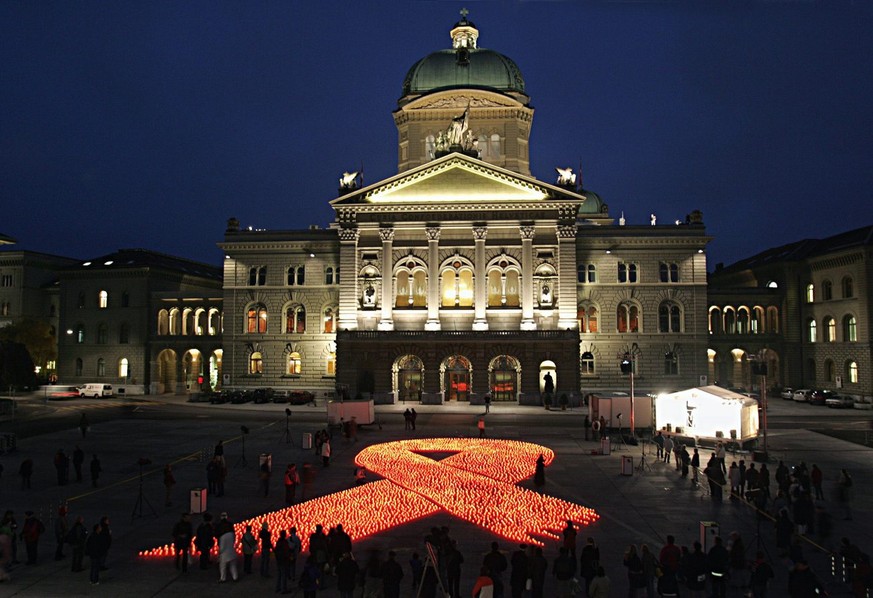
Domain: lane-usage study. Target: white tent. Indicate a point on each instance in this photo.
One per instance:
(708, 412)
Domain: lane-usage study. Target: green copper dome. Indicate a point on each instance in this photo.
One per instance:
(464, 66)
(475, 68)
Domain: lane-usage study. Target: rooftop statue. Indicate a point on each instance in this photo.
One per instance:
(348, 180)
(566, 176)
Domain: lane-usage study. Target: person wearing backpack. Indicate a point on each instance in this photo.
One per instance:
(309, 578)
(31, 530)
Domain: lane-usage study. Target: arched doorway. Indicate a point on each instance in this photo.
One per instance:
(456, 378)
(408, 376)
(548, 378)
(504, 375)
(215, 369)
(166, 378)
(192, 368)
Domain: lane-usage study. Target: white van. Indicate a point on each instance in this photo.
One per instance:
(96, 390)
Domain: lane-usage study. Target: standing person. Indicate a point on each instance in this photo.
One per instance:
(309, 578)
(266, 546)
(720, 455)
(249, 546)
(762, 573)
(353, 429)
(518, 576)
(61, 528)
(484, 586)
(96, 470)
(325, 452)
(407, 419)
(540, 472)
(538, 567)
(844, 492)
(205, 540)
(816, 477)
(694, 570)
(586, 425)
(685, 458)
(9, 523)
(105, 541)
(78, 461)
(668, 448)
(695, 466)
(227, 554)
(282, 553)
(412, 417)
(182, 533)
(169, 482)
(347, 575)
(563, 568)
(634, 566)
(650, 564)
(212, 476)
(670, 555)
(94, 550)
(454, 560)
(25, 470)
(600, 585)
(296, 546)
(481, 426)
(659, 445)
(735, 480)
(570, 534)
(392, 575)
(31, 530)
(83, 425)
(764, 481)
(487, 403)
(264, 477)
(802, 582)
(292, 480)
(76, 539)
(62, 467)
(589, 562)
(718, 561)
(496, 564)
(417, 569)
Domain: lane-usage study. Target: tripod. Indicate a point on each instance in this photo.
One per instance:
(141, 500)
(287, 433)
(622, 446)
(644, 466)
(241, 462)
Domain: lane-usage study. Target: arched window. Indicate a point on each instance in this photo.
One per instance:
(411, 289)
(668, 272)
(457, 286)
(730, 320)
(503, 287)
(757, 322)
(827, 290)
(102, 334)
(715, 319)
(329, 320)
(588, 364)
(328, 275)
(830, 330)
(430, 147)
(103, 300)
(123, 367)
(669, 317)
(256, 363)
(256, 319)
(253, 276)
(580, 272)
(214, 322)
(848, 287)
(830, 370)
(163, 322)
(336, 275)
(810, 293)
(187, 321)
(494, 150)
(78, 366)
(295, 319)
(772, 320)
(101, 367)
(850, 329)
(811, 334)
(587, 316)
(124, 333)
(627, 272)
(301, 275)
(671, 364)
(852, 372)
(627, 318)
(483, 146)
(80, 334)
(743, 320)
(294, 365)
(331, 364)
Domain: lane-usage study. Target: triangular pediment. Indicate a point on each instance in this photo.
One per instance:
(456, 178)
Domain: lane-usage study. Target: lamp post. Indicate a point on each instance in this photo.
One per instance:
(627, 367)
(759, 368)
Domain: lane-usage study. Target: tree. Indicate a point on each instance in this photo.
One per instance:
(36, 336)
(16, 366)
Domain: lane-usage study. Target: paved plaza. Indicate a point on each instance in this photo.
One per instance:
(640, 508)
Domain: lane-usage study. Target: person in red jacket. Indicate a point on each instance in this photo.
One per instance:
(484, 587)
(670, 555)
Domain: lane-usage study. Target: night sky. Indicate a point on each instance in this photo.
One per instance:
(149, 124)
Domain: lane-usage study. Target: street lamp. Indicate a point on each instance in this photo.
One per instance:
(627, 367)
(759, 368)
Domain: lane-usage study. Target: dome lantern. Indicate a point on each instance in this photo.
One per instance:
(464, 34)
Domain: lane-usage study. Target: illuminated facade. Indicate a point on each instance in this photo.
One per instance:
(803, 309)
(463, 275)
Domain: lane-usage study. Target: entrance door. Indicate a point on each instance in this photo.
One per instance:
(458, 385)
(409, 383)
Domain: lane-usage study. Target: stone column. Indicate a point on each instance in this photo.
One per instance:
(433, 278)
(387, 236)
(480, 292)
(349, 292)
(527, 236)
(567, 277)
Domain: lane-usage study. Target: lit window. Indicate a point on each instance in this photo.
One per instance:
(715, 320)
(810, 293)
(743, 320)
(850, 329)
(587, 316)
(852, 371)
(80, 334)
(256, 320)
(627, 318)
(830, 330)
(101, 367)
(123, 367)
(295, 319)
(331, 364)
(811, 331)
(588, 364)
(103, 300)
(256, 363)
(295, 365)
(329, 320)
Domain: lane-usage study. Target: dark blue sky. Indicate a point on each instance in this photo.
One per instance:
(148, 124)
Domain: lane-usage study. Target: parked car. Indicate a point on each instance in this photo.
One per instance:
(819, 397)
(238, 397)
(802, 395)
(263, 395)
(219, 398)
(840, 401)
(301, 397)
(201, 397)
(787, 393)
